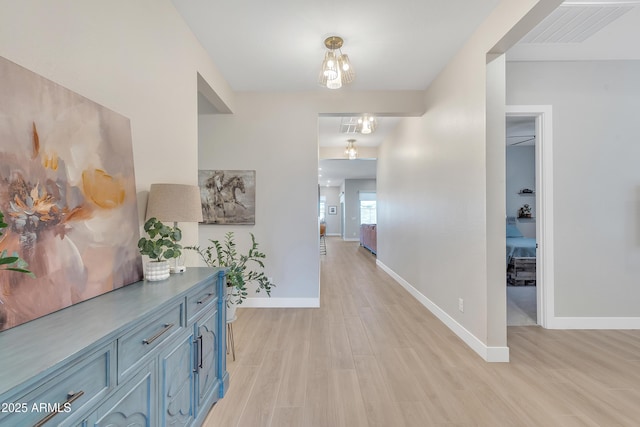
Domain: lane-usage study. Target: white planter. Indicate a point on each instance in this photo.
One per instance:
(157, 270)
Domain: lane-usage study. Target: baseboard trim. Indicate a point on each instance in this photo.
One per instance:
(351, 239)
(594, 323)
(281, 303)
(490, 354)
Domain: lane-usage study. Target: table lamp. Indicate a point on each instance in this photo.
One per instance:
(174, 203)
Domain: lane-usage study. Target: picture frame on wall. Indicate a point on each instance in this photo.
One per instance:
(333, 210)
(228, 196)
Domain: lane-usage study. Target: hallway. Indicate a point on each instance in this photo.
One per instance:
(373, 356)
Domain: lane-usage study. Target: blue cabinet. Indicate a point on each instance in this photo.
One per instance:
(149, 354)
(177, 382)
(206, 375)
(132, 405)
(70, 390)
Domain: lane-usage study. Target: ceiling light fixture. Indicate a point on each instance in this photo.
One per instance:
(366, 124)
(336, 67)
(351, 151)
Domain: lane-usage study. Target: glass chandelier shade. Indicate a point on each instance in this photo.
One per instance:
(351, 151)
(366, 124)
(336, 67)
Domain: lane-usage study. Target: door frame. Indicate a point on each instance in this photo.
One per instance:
(544, 207)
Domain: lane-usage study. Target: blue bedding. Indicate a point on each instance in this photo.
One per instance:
(520, 247)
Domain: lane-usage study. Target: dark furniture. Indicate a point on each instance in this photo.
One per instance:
(368, 237)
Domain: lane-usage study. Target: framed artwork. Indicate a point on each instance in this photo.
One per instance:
(68, 195)
(228, 196)
(333, 210)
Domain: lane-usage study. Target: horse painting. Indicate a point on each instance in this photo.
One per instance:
(228, 197)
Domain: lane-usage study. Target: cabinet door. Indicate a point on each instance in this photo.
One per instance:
(177, 378)
(207, 357)
(134, 404)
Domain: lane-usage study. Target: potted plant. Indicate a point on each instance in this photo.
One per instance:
(161, 246)
(524, 211)
(241, 269)
(13, 262)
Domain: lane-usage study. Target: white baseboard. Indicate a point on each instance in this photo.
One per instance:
(490, 354)
(351, 239)
(281, 303)
(594, 323)
(334, 234)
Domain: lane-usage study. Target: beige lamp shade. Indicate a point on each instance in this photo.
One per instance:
(174, 203)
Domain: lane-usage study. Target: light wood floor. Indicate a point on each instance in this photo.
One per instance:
(373, 356)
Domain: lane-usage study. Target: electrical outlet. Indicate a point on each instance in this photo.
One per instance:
(461, 305)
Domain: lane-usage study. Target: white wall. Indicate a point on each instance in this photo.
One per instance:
(286, 189)
(521, 162)
(596, 182)
(441, 191)
(332, 194)
(140, 59)
(276, 134)
(137, 58)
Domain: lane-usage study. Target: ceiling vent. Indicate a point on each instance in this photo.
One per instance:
(365, 124)
(349, 125)
(576, 22)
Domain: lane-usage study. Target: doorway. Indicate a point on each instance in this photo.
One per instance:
(521, 212)
(543, 200)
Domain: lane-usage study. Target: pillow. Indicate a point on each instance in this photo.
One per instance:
(512, 231)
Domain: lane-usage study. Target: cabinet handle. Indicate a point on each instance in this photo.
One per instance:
(201, 354)
(71, 397)
(196, 354)
(207, 298)
(166, 327)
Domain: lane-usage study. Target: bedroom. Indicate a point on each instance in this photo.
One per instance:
(521, 221)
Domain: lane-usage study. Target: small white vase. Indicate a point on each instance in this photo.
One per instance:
(157, 270)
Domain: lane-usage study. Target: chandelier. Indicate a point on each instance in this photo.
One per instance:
(366, 124)
(351, 151)
(336, 67)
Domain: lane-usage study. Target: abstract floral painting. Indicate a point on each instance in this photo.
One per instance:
(228, 196)
(68, 195)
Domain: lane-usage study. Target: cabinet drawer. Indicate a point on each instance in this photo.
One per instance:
(78, 386)
(201, 299)
(134, 346)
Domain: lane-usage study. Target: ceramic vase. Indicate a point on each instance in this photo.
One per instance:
(157, 270)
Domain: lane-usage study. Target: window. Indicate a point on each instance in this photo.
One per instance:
(368, 212)
(368, 208)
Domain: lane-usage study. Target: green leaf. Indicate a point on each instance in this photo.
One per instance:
(8, 260)
(21, 270)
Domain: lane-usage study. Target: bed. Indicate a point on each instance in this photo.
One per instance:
(517, 245)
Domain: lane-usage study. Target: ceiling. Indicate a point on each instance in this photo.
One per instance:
(584, 30)
(330, 132)
(332, 173)
(521, 131)
(278, 46)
